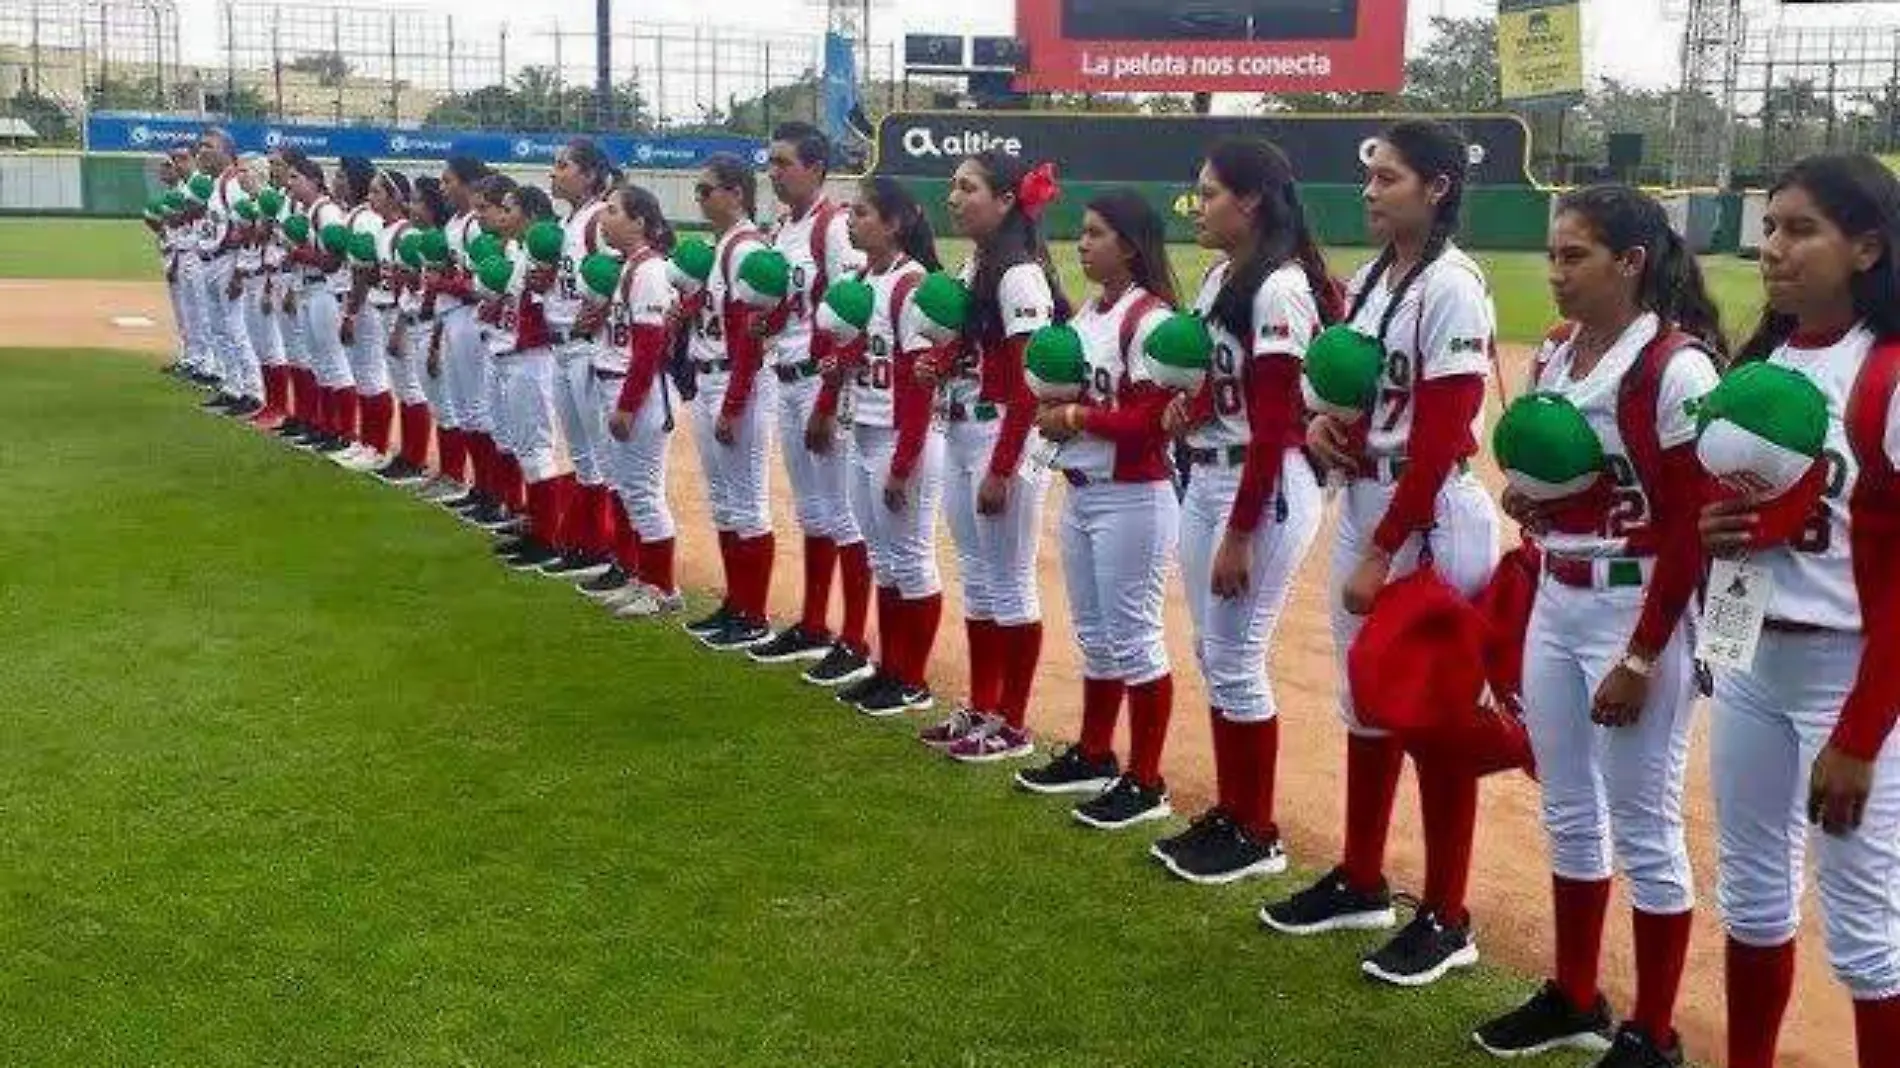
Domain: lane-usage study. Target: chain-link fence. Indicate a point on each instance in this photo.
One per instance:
(342, 64)
(1807, 89)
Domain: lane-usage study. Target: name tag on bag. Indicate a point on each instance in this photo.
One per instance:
(1734, 614)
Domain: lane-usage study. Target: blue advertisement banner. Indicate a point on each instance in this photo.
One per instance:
(117, 132)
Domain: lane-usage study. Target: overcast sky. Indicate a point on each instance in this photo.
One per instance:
(1630, 40)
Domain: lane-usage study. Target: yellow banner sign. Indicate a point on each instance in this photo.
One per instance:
(1540, 50)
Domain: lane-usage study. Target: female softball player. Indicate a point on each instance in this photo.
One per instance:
(470, 455)
(729, 412)
(524, 360)
(636, 401)
(896, 456)
(1120, 522)
(299, 426)
(1609, 674)
(252, 276)
(412, 336)
(993, 490)
(319, 304)
(350, 186)
(1253, 502)
(812, 235)
(1410, 501)
(1807, 732)
(367, 311)
(582, 177)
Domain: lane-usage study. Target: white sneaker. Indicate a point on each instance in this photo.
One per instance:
(365, 460)
(648, 603)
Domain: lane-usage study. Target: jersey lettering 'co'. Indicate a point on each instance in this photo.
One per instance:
(1110, 369)
(1286, 318)
(872, 383)
(708, 342)
(1445, 326)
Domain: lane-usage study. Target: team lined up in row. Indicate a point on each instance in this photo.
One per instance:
(898, 395)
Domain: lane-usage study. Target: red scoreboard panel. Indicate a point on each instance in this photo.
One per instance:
(1207, 46)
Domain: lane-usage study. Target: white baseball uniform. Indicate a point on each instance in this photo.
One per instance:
(387, 296)
(260, 324)
(1233, 637)
(819, 482)
(322, 305)
(230, 335)
(524, 363)
(574, 356)
(465, 358)
(636, 468)
(1613, 794)
(369, 364)
(736, 477)
(1772, 721)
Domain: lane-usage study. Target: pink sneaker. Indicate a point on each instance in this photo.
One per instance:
(994, 741)
(952, 730)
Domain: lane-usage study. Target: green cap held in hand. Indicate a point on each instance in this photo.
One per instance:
(544, 241)
(1546, 448)
(409, 249)
(1762, 427)
(945, 304)
(201, 186)
(846, 311)
(1178, 351)
(483, 246)
(494, 274)
(1055, 365)
(271, 201)
(690, 265)
(435, 246)
(336, 239)
(600, 274)
(246, 210)
(297, 228)
(1342, 373)
(765, 277)
(363, 247)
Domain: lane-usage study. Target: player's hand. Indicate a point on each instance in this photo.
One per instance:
(1329, 441)
(620, 425)
(1233, 566)
(1363, 586)
(395, 343)
(234, 288)
(1529, 514)
(1175, 419)
(930, 372)
(591, 318)
(1620, 699)
(540, 278)
(897, 493)
(1837, 791)
(725, 430)
(290, 303)
(992, 497)
(1059, 422)
(819, 432)
(346, 330)
(1728, 527)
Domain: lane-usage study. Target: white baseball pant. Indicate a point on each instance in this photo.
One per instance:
(737, 484)
(996, 554)
(1117, 540)
(902, 545)
(821, 484)
(636, 468)
(322, 315)
(369, 357)
(291, 328)
(573, 398)
(1610, 795)
(1234, 637)
(406, 369)
(1769, 725)
(1464, 550)
(195, 321)
(527, 388)
(231, 338)
(435, 388)
(465, 371)
(260, 326)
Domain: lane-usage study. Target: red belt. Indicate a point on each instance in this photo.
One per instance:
(1582, 574)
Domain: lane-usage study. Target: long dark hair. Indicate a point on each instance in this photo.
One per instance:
(1432, 150)
(1018, 240)
(533, 203)
(1249, 167)
(495, 188)
(1860, 196)
(1671, 284)
(429, 191)
(638, 203)
(731, 172)
(1138, 226)
(586, 153)
(357, 174)
(894, 203)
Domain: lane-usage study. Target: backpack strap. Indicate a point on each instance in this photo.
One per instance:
(1554, 338)
(901, 290)
(725, 257)
(1636, 399)
(822, 215)
(1131, 320)
(1867, 411)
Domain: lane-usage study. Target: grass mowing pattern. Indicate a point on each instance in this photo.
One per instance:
(111, 250)
(295, 774)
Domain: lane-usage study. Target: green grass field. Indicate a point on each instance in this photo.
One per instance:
(105, 249)
(294, 774)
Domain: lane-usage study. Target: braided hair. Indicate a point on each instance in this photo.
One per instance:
(1282, 235)
(1433, 151)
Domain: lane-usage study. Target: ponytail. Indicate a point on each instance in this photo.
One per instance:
(1259, 169)
(1671, 285)
(1016, 242)
(895, 204)
(1432, 150)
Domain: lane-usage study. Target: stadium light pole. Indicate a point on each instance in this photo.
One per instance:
(604, 63)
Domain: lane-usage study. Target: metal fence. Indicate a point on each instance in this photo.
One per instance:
(342, 64)
(1806, 89)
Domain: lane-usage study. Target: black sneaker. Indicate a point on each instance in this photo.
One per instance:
(466, 502)
(1331, 905)
(514, 546)
(792, 643)
(1209, 822)
(841, 666)
(532, 557)
(246, 407)
(873, 683)
(888, 699)
(606, 584)
(490, 516)
(1223, 852)
(737, 636)
(400, 472)
(1071, 773)
(1634, 1049)
(1544, 1023)
(576, 566)
(712, 624)
(222, 402)
(332, 444)
(1125, 804)
(1423, 952)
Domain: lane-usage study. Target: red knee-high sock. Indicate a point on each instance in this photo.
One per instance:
(544, 509)
(1022, 649)
(576, 506)
(417, 427)
(890, 631)
(854, 575)
(1150, 706)
(379, 421)
(1257, 763)
(606, 519)
(626, 540)
(320, 410)
(1101, 707)
(1579, 906)
(451, 453)
(821, 559)
(921, 617)
(1228, 770)
(348, 405)
(758, 574)
(295, 397)
(1372, 781)
(986, 666)
(517, 487)
(729, 561)
(1759, 983)
(1448, 797)
(656, 564)
(275, 390)
(1662, 949)
(481, 462)
(1877, 1031)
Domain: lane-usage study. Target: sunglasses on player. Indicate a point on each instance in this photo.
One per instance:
(706, 189)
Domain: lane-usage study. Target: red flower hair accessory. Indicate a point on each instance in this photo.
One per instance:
(1038, 190)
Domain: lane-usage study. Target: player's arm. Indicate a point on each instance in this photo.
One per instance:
(1675, 506)
(650, 339)
(1026, 304)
